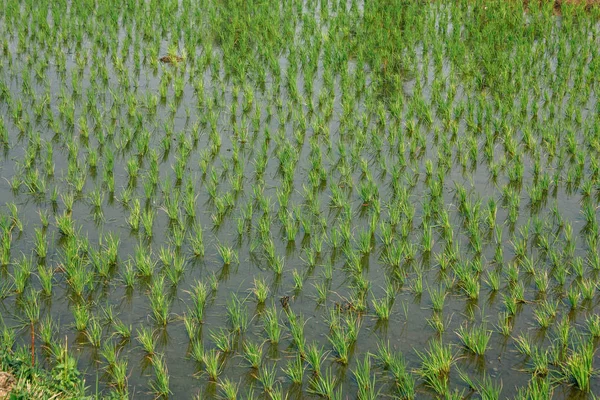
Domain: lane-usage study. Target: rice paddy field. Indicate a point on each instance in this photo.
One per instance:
(220, 199)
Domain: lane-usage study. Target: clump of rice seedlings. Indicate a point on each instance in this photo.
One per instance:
(41, 245)
(198, 294)
(229, 389)
(93, 332)
(267, 377)
(237, 313)
(46, 275)
(324, 385)
(505, 324)
(160, 384)
(253, 354)
(538, 388)
(396, 365)
(437, 297)
(383, 308)
(297, 331)
(435, 366)
(593, 325)
(315, 357)
(159, 301)
(122, 329)
(227, 253)
(476, 338)
(578, 367)
(212, 364)
(222, 339)
(485, 387)
(146, 339)
(365, 380)
(197, 241)
(260, 290)
(81, 314)
(271, 325)
(298, 280)
(295, 370)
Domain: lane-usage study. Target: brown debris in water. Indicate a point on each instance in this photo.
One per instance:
(170, 59)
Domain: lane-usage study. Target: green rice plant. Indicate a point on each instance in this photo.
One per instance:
(93, 332)
(504, 323)
(31, 307)
(253, 354)
(593, 325)
(524, 345)
(437, 323)
(396, 365)
(229, 389)
(492, 279)
(47, 330)
(485, 387)
(538, 388)
(437, 297)
(271, 325)
(228, 254)
(222, 339)
(146, 339)
(435, 365)
(476, 338)
(295, 370)
(159, 301)
(135, 214)
(199, 294)
(323, 385)
(160, 384)
(267, 377)
(322, 291)
(383, 308)
(191, 326)
(41, 246)
(298, 280)
(578, 367)
(341, 345)
(65, 225)
(297, 331)
(129, 275)
(365, 380)
(197, 241)
(315, 357)
(81, 314)
(46, 275)
(573, 296)
(147, 218)
(237, 313)
(122, 329)
(212, 364)
(260, 290)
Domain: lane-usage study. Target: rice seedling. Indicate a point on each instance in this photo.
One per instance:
(253, 353)
(212, 364)
(160, 385)
(271, 325)
(294, 370)
(323, 385)
(229, 389)
(435, 366)
(260, 290)
(267, 377)
(237, 313)
(476, 338)
(578, 367)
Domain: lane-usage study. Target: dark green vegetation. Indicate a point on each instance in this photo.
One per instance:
(230, 199)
